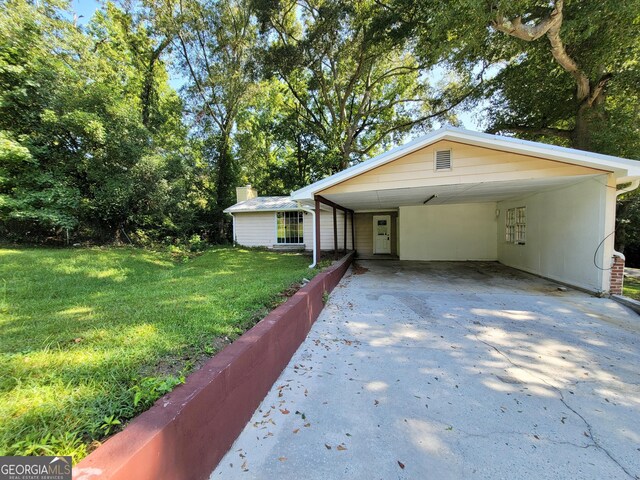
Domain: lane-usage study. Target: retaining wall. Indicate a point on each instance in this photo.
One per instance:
(188, 431)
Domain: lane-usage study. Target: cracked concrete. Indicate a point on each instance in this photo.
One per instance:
(452, 370)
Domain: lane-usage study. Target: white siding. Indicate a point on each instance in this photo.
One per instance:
(258, 229)
(448, 232)
(255, 229)
(326, 230)
(564, 229)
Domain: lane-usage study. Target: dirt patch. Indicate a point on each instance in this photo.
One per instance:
(359, 269)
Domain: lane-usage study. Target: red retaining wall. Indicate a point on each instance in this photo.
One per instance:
(188, 431)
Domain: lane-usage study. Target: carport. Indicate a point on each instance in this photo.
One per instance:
(456, 195)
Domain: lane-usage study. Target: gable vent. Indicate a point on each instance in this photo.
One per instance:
(442, 160)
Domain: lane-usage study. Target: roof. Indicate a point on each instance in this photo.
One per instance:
(625, 170)
(264, 204)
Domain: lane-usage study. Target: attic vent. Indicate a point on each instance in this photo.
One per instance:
(443, 160)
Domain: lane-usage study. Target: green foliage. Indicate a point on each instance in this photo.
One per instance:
(151, 388)
(89, 143)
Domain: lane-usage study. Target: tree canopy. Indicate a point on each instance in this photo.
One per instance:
(139, 123)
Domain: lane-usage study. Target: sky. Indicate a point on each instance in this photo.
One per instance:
(85, 8)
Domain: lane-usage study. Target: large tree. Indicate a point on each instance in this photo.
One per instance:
(565, 71)
(356, 91)
(214, 44)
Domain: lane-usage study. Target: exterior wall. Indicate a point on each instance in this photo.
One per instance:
(255, 229)
(470, 164)
(564, 229)
(449, 232)
(258, 229)
(326, 230)
(364, 233)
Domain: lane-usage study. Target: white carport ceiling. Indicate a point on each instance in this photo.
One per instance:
(454, 193)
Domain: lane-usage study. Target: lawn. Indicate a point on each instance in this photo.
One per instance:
(89, 338)
(631, 288)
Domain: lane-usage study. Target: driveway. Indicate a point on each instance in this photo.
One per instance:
(452, 370)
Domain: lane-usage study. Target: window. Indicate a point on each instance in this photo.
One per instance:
(442, 160)
(289, 227)
(516, 225)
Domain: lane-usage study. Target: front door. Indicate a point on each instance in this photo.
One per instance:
(382, 234)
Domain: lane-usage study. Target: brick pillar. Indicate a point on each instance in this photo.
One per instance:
(617, 274)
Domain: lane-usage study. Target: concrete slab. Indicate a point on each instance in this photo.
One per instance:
(452, 370)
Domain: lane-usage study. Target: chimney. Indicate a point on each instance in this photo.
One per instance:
(246, 193)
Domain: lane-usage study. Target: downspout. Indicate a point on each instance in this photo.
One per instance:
(313, 222)
(632, 186)
(233, 219)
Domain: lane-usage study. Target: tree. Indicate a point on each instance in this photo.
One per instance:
(355, 90)
(563, 70)
(214, 45)
(75, 154)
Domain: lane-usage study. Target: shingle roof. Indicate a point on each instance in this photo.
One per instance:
(263, 204)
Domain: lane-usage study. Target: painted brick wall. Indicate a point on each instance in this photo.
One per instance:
(617, 275)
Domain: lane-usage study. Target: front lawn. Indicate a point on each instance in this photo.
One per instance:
(89, 338)
(631, 288)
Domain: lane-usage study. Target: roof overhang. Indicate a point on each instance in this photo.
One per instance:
(624, 170)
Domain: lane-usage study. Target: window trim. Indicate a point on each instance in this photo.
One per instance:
(515, 225)
(301, 221)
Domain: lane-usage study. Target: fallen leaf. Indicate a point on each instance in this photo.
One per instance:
(284, 411)
(376, 402)
(348, 434)
(327, 446)
(244, 466)
(307, 425)
(400, 464)
(296, 430)
(341, 448)
(282, 459)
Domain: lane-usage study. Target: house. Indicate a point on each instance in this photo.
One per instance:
(459, 195)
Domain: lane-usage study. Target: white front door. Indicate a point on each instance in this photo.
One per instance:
(382, 234)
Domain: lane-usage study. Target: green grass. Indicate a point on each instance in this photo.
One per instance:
(631, 288)
(89, 338)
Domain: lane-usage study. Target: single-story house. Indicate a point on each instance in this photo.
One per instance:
(458, 195)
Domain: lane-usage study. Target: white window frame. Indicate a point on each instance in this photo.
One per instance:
(285, 213)
(516, 225)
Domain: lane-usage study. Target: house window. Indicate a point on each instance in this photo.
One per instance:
(516, 225)
(289, 226)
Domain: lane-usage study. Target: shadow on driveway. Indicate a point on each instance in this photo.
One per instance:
(452, 370)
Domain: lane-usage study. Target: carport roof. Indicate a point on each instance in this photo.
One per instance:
(624, 169)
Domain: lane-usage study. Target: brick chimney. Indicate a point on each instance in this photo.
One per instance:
(246, 193)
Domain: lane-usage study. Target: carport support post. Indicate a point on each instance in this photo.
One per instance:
(353, 232)
(335, 234)
(317, 232)
(345, 231)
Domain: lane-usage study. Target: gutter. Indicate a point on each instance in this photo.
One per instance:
(631, 187)
(622, 191)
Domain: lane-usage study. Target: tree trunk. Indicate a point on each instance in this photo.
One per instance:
(224, 179)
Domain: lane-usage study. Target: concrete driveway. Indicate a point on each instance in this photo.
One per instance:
(452, 370)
